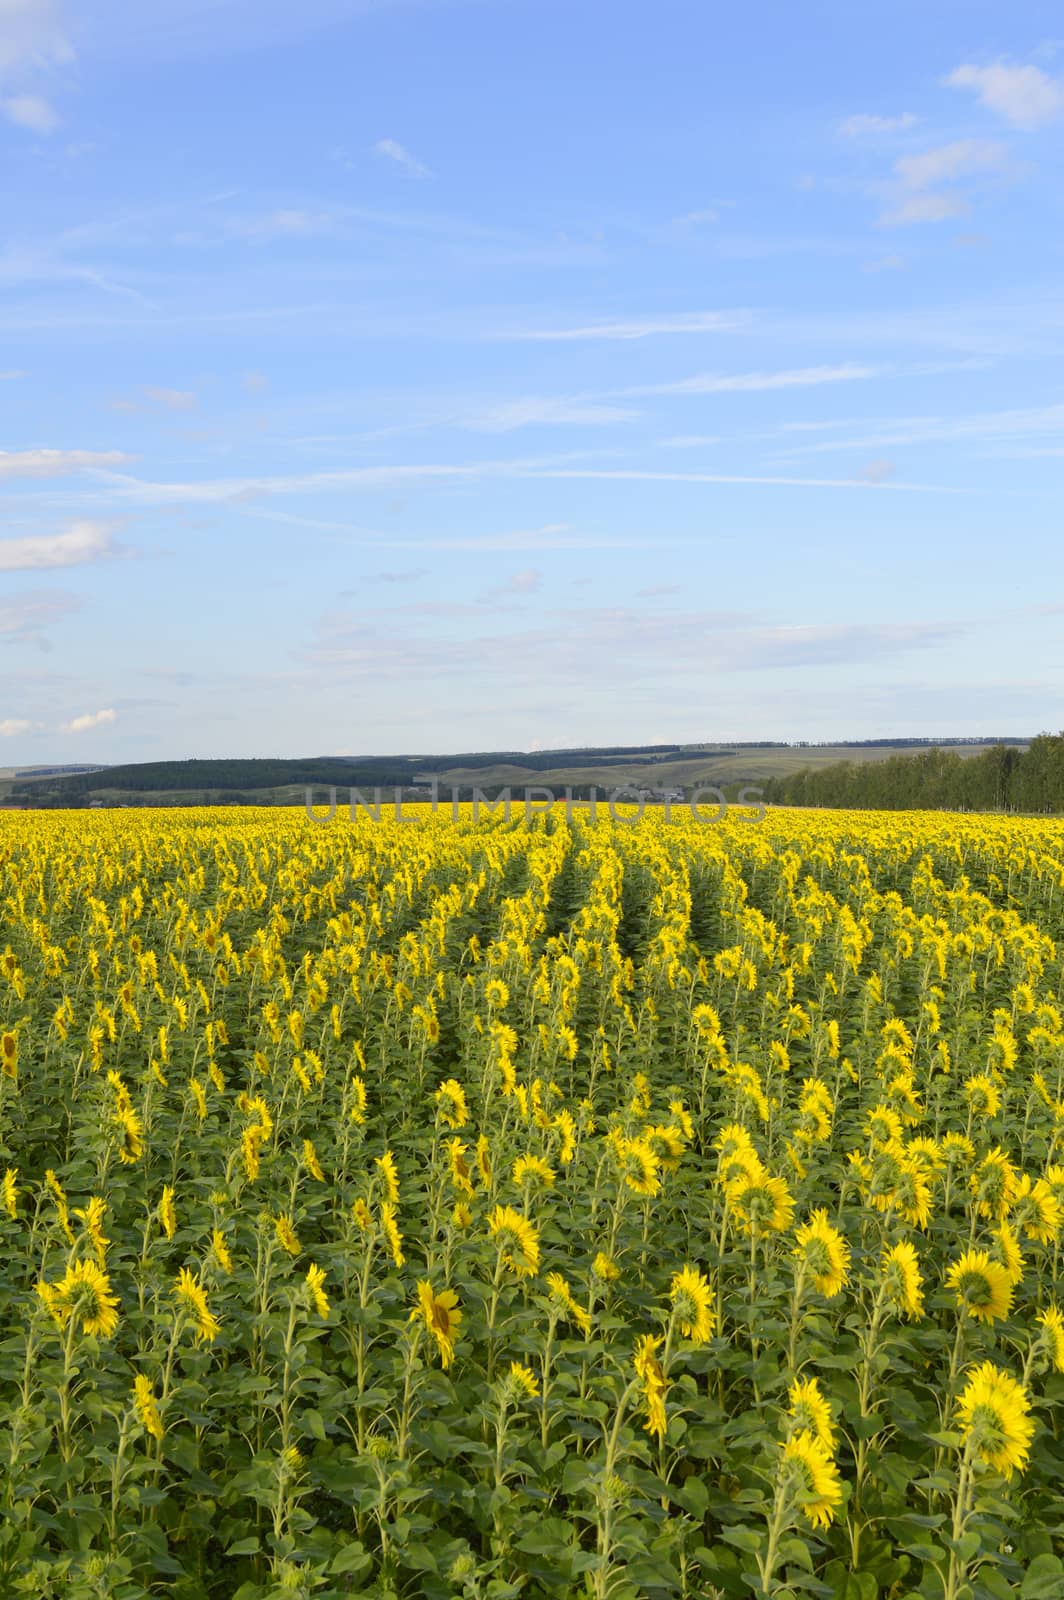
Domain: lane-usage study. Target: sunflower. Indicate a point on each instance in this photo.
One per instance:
(191, 1293)
(523, 1382)
(652, 1375)
(92, 1216)
(84, 1291)
(362, 1215)
(534, 1171)
(167, 1213)
(315, 1287)
(1052, 1324)
(809, 1411)
(667, 1143)
(441, 1316)
(993, 1411)
(1007, 1248)
(639, 1166)
(516, 1239)
(451, 1106)
(391, 1232)
(605, 1268)
(883, 1124)
(461, 1174)
(761, 1203)
(461, 1216)
(983, 1095)
(902, 1280)
(814, 1476)
(310, 1158)
(562, 1293)
(983, 1287)
(993, 1185)
(692, 1301)
(221, 1251)
(385, 1165)
(286, 1235)
(823, 1250)
(1036, 1209)
(147, 1409)
(11, 1191)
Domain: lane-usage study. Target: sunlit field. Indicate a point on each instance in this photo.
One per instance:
(439, 1208)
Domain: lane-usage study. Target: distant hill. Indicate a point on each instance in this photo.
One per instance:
(653, 768)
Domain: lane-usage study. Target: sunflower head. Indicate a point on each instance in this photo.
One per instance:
(824, 1254)
(692, 1301)
(1052, 1338)
(810, 1411)
(993, 1412)
(812, 1477)
(902, 1280)
(983, 1287)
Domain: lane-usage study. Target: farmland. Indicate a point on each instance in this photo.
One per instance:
(550, 1209)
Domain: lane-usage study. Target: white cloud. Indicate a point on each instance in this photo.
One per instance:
(172, 399)
(83, 542)
(31, 34)
(24, 617)
(12, 726)
(536, 411)
(31, 112)
(925, 208)
(637, 328)
(695, 219)
(916, 196)
(854, 127)
(964, 158)
(752, 382)
(11, 375)
(56, 463)
(91, 719)
(399, 154)
(1025, 96)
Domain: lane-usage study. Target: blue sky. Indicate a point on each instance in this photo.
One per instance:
(515, 374)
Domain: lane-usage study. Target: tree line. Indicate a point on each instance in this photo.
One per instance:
(1002, 778)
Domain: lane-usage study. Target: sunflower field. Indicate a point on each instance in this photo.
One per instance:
(565, 1207)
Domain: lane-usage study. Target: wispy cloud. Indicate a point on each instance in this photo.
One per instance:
(1001, 426)
(752, 382)
(26, 616)
(56, 463)
(32, 35)
(166, 399)
(82, 543)
(915, 196)
(30, 111)
(855, 127)
(394, 151)
(631, 328)
(89, 720)
(547, 412)
(1026, 97)
(11, 727)
(519, 583)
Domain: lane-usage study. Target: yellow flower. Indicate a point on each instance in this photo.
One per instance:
(1007, 1246)
(1052, 1324)
(441, 1316)
(652, 1375)
(286, 1235)
(817, 1487)
(192, 1294)
(1036, 1209)
(983, 1287)
(524, 1381)
(605, 1268)
(387, 1169)
(391, 1232)
(167, 1214)
(147, 1409)
(451, 1104)
(461, 1216)
(315, 1285)
(84, 1291)
(362, 1215)
(993, 1412)
(692, 1301)
(517, 1240)
(11, 1191)
(564, 1296)
(810, 1411)
(484, 1160)
(822, 1249)
(221, 1251)
(639, 1166)
(358, 1100)
(901, 1276)
(9, 1054)
(983, 1095)
(461, 1175)
(993, 1184)
(310, 1158)
(761, 1203)
(534, 1171)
